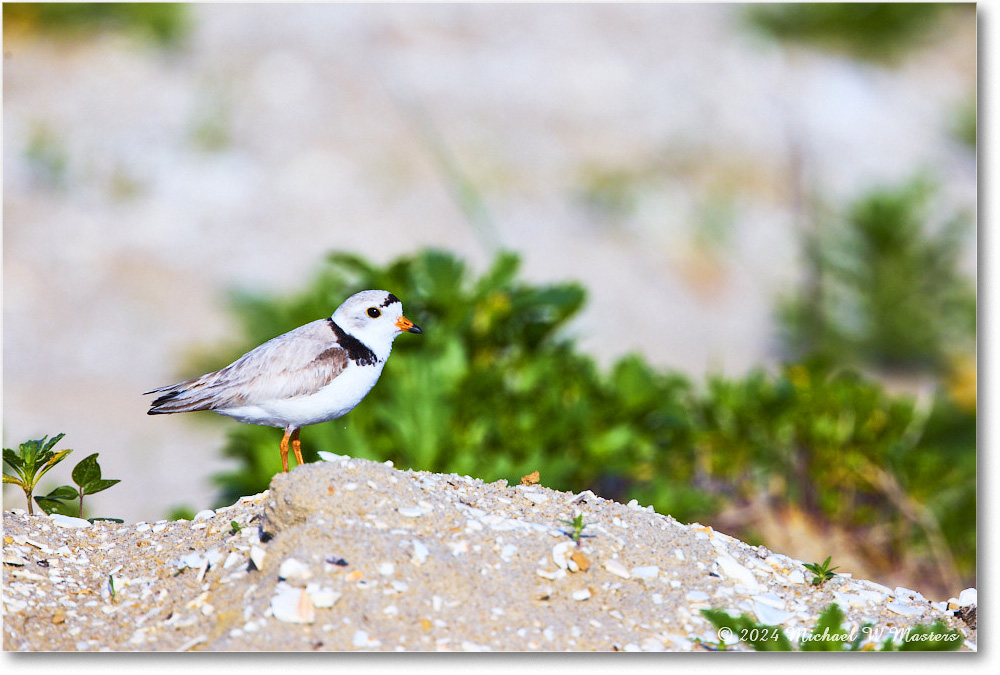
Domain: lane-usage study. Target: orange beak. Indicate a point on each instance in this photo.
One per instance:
(407, 326)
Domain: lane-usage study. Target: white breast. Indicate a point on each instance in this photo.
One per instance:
(332, 401)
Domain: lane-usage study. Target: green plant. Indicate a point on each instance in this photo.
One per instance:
(87, 476)
(823, 571)
(578, 526)
(30, 463)
(885, 285)
(164, 23)
(181, 512)
(762, 638)
(965, 122)
(234, 527)
(873, 31)
(830, 634)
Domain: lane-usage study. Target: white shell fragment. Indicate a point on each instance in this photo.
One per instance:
(561, 553)
(617, 569)
(904, 610)
(582, 594)
(60, 520)
(257, 556)
(696, 596)
(738, 573)
(770, 615)
(363, 641)
(420, 553)
(645, 572)
(294, 571)
(292, 605)
(322, 597)
(968, 597)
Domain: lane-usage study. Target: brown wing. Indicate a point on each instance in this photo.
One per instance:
(296, 363)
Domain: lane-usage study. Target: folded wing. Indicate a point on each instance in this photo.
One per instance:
(297, 363)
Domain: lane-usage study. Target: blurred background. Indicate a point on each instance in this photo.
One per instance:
(717, 258)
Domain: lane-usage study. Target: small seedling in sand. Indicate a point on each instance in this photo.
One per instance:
(31, 463)
(578, 526)
(234, 527)
(87, 476)
(823, 571)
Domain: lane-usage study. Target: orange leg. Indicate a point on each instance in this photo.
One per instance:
(297, 447)
(284, 449)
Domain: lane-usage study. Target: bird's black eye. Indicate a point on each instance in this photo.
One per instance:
(374, 313)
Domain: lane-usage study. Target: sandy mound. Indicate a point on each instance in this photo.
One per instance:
(351, 554)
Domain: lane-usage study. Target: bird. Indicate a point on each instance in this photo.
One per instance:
(312, 374)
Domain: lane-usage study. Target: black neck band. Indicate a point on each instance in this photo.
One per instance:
(355, 348)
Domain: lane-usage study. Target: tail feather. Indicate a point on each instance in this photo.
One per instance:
(188, 396)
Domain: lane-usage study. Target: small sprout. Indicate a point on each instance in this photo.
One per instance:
(33, 460)
(87, 476)
(234, 527)
(578, 526)
(823, 571)
(111, 586)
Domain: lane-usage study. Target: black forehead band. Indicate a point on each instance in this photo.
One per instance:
(388, 301)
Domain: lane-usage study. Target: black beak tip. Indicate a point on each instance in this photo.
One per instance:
(414, 329)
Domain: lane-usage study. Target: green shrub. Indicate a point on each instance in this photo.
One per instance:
(886, 286)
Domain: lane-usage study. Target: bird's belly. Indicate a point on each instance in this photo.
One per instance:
(334, 400)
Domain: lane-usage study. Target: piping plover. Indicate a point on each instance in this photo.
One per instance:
(315, 373)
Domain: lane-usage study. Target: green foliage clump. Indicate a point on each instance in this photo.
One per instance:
(840, 447)
(35, 458)
(831, 635)
(874, 31)
(885, 286)
(822, 571)
(164, 23)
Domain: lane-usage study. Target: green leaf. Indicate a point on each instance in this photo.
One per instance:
(16, 481)
(51, 506)
(762, 638)
(55, 459)
(47, 447)
(63, 492)
(829, 635)
(13, 459)
(98, 485)
(937, 638)
(87, 471)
